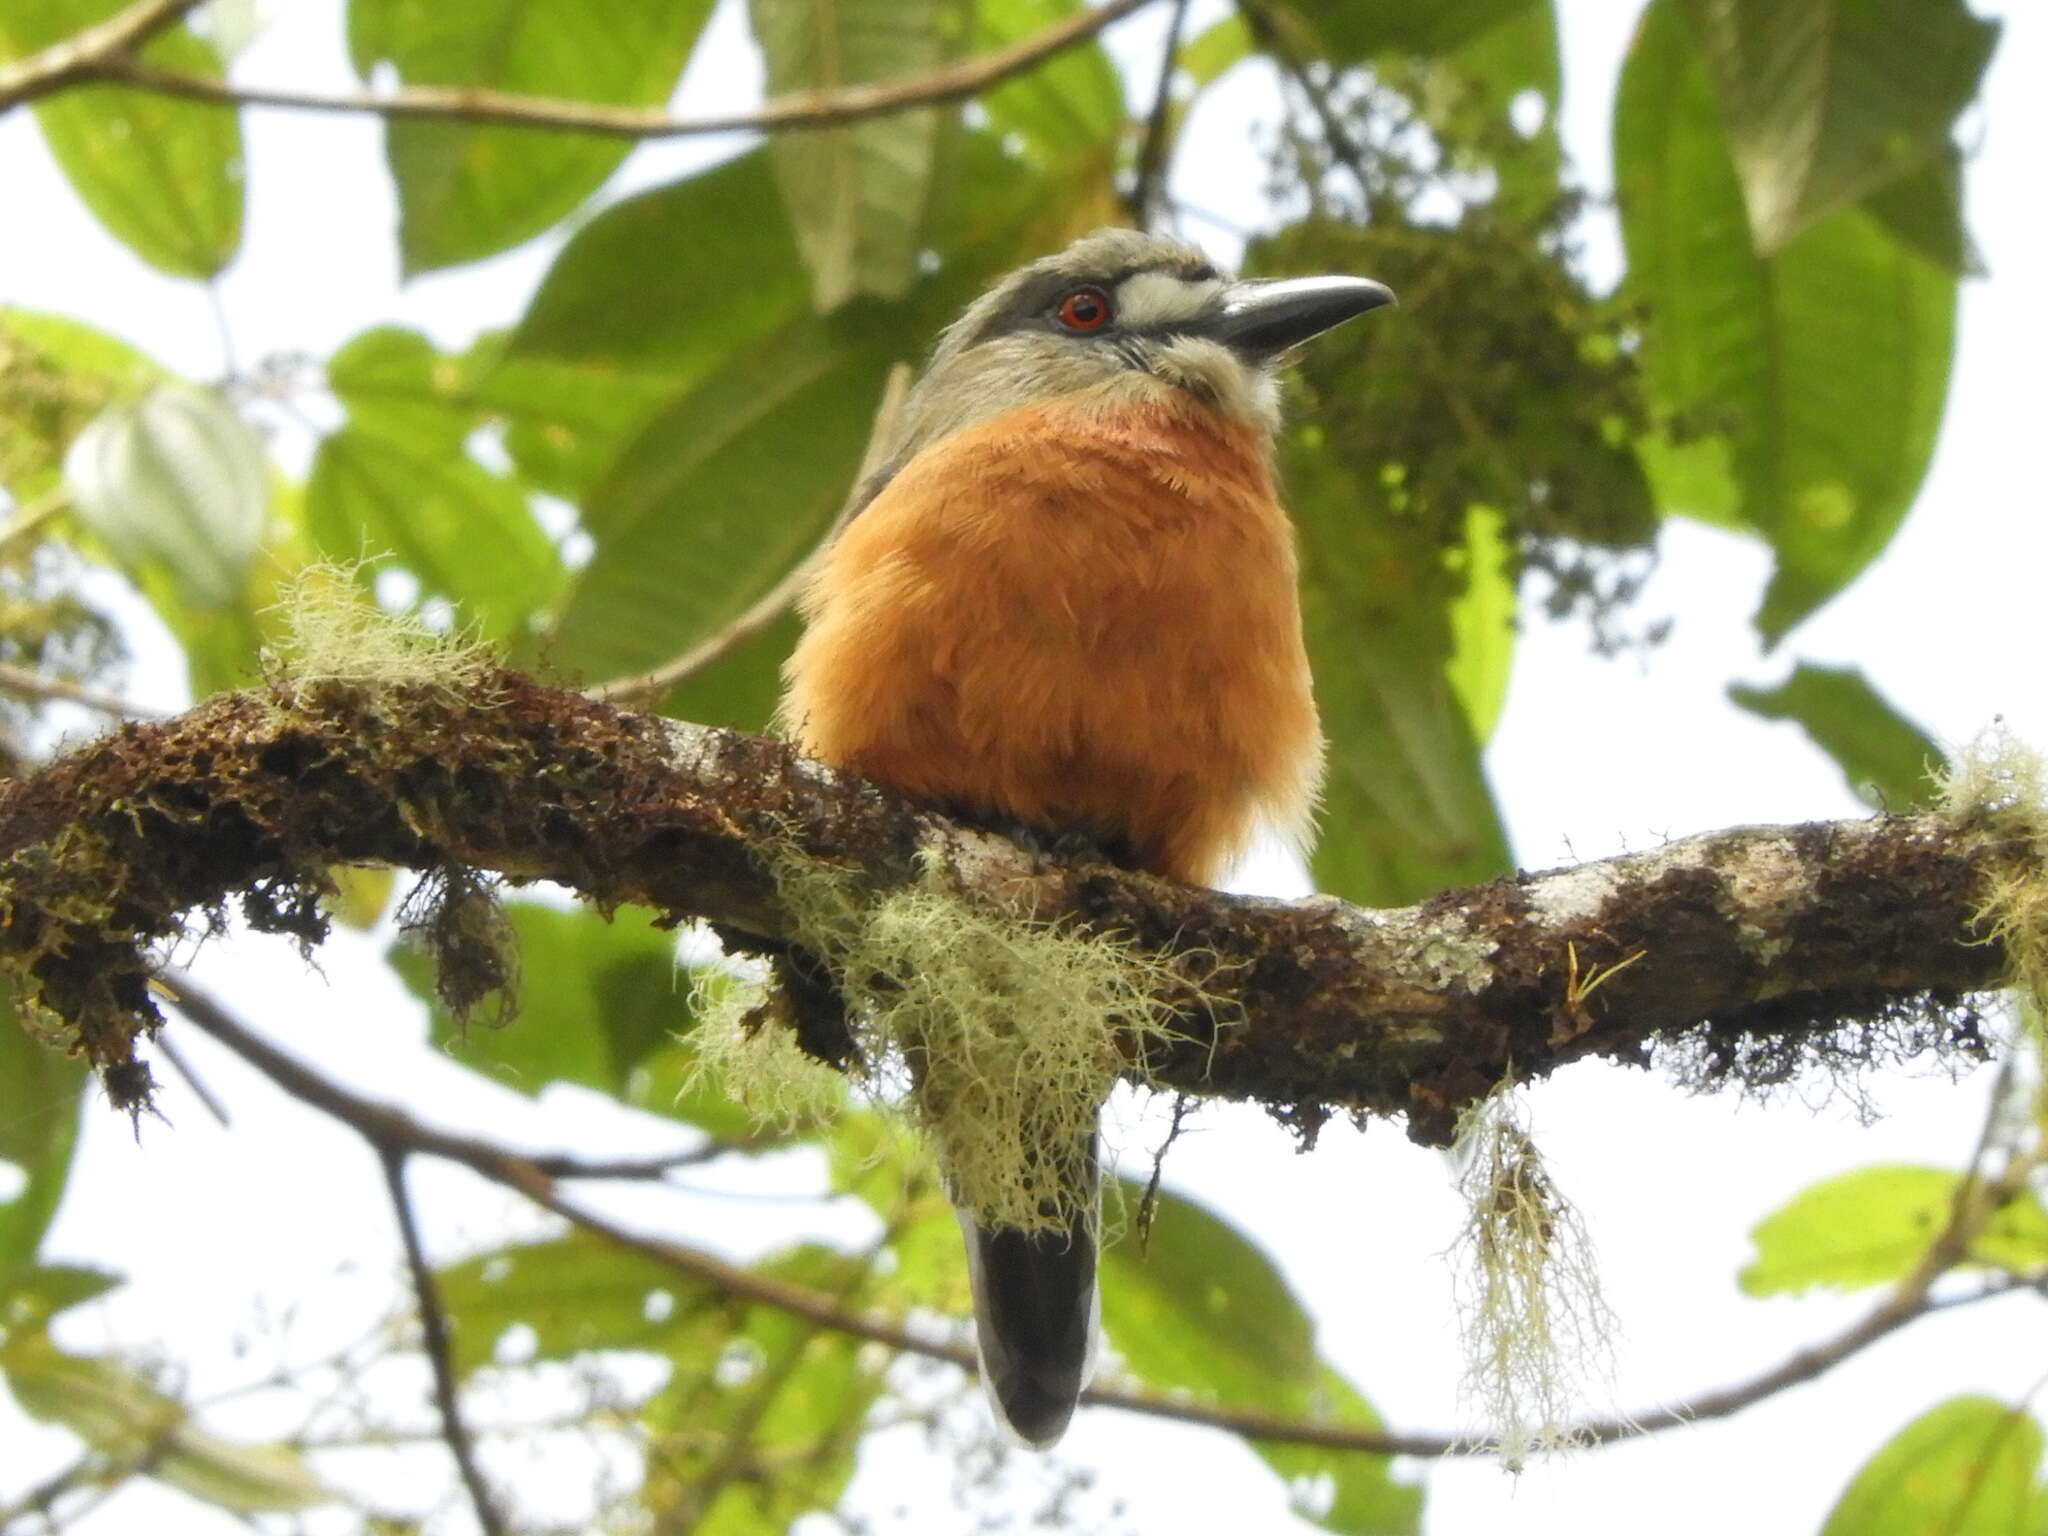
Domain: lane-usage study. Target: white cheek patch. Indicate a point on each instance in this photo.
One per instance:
(1148, 299)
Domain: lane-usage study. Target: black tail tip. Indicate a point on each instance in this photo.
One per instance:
(1037, 1412)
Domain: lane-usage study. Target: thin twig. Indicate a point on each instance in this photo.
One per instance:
(31, 515)
(76, 58)
(773, 603)
(434, 1338)
(165, 1047)
(478, 104)
(1145, 185)
(37, 685)
(390, 1127)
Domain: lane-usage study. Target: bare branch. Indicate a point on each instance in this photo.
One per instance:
(391, 1129)
(434, 1339)
(478, 104)
(38, 685)
(79, 57)
(1757, 943)
(1151, 167)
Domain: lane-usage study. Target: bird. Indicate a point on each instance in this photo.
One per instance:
(1066, 600)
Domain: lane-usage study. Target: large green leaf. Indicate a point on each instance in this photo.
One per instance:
(1964, 1468)
(1889, 761)
(57, 374)
(38, 1293)
(467, 534)
(467, 190)
(1873, 1225)
(1826, 100)
(163, 176)
(1426, 28)
(38, 1129)
(1201, 1312)
(690, 530)
(116, 1411)
(644, 301)
(1068, 109)
(1825, 364)
(857, 195)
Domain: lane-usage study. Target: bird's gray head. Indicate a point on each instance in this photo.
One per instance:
(1123, 314)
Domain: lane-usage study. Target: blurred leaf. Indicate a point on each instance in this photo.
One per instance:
(1923, 211)
(118, 1413)
(1065, 111)
(467, 190)
(31, 1296)
(1826, 100)
(1201, 1312)
(857, 195)
(765, 1431)
(596, 996)
(178, 478)
(690, 531)
(1428, 28)
(395, 385)
(1482, 621)
(1888, 760)
(1210, 55)
(1964, 1468)
(1842, 325)
(467, 534)
(576, 1294)
(163, 176)
(38, 1131)
(56, 375)
(1872, 1225)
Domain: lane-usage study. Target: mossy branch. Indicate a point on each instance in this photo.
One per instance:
(1752, 952)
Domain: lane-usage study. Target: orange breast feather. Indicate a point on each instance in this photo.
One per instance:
(1078, 617)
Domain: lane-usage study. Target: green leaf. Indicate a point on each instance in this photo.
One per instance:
(1843, 324)
(164, 176)
(1872, 1225)
(1202, 1312)
(1888, 760)
(1425, 28)
(576, 1294)
(113, 1409)
(644, 301)
(1068, 110)
(177, 478)
(1963, 1468)
(56, 375)
(1482, 620)
(1221, 46)
(395, 385)
(1827, 100)
(467, 534)
(782, 1393)
(857, 195)
(1923, 211)
(38, 1130)
(469, 190)
(690, 532)
(32, 1296)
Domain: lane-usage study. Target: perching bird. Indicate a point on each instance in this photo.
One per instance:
(1067, 599)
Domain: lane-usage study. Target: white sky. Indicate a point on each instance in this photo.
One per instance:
(1591, 757)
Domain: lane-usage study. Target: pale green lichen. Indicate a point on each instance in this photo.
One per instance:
(330, 630)
(1536, 1329)
(1996, 794)
(1002, 1034)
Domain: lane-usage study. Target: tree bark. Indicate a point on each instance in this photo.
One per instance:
(1749, 954)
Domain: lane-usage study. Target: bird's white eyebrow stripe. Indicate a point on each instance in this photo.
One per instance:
(1148, 299)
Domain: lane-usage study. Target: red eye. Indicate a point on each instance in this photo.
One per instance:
(1085, 309)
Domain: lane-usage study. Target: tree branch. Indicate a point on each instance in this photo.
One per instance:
(392, 1130)
(39, 685)
(1750, 947)
(478, 104)
(434, 1340)
(81, 57)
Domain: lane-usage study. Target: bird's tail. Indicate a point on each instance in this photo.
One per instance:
(1035, 1316)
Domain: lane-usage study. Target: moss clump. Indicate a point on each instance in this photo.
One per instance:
(1007, 1034)
(1534, 1322)
(1997, 794)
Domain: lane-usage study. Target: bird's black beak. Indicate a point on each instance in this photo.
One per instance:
(1265, 319)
